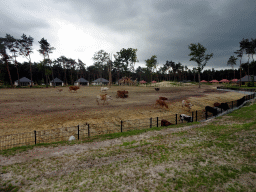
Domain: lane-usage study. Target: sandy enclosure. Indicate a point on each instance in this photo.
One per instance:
(26, 110)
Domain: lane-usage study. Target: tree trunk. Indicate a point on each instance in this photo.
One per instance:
(199, 79)
(7, 66)
(30, 71)
(18, 74)
(66, 76)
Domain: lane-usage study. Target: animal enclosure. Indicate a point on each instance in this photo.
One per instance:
(29, 110)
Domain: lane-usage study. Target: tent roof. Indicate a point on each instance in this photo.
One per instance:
(57, 80)
(245, 79)
(81, 80)
(24, 80)
(101, 80)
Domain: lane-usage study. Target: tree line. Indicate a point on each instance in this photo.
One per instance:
(69, 70)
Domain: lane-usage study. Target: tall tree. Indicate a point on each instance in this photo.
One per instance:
(81, 66)
(245, 45)
(232, 62)
(194, 71)
(72, 64)
(25, 49)
(45, 50)
(64, 62)
(5, 56)
(110, 70)
(198, 55)
(12, 45)
(151, 63)
(100, 59)
(129, 57)
(240, 54)
(167, 66)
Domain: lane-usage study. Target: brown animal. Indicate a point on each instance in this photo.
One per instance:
(163, 98)
(216, 104)
(74, 88)
(187, 104)
(122, 94)
(165, 123)
(161, 103)
(104, 98)
(157, 89)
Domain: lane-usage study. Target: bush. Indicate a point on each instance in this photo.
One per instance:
(249, 84)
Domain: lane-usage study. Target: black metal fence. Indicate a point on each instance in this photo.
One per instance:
(85, 131)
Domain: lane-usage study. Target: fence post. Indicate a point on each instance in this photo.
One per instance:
(196, 116)
(121, 126)
(192, 116)
(35, 137)
(176, 119)
(150, 122)
(78, 132)
(88, 130)
(157, 121)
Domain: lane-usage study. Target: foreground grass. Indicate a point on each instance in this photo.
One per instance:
(220, 156)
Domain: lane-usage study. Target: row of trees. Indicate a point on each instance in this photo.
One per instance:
(69, 69)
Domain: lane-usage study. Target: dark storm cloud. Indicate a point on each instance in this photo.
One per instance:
(16, 23)
(155, 27)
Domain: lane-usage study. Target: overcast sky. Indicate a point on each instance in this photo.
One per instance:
(165, 28)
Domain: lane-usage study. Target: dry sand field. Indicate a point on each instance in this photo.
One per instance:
(26, 110)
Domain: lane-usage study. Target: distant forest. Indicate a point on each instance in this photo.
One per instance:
(69, 70)
(92, 72)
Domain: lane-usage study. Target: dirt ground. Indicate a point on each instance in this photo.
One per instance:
(26, 110)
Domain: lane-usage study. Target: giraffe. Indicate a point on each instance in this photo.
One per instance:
(121, 81)
(135, 82)
(129, 81)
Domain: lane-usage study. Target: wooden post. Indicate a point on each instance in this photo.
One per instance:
(78, 132)
(88, 130)
(121, 126)
(35, 137)
(150, 122)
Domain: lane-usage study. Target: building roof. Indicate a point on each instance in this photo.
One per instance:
(82, 80)
(57, 80)
(100, 80)
(24, 80)
(245, 79)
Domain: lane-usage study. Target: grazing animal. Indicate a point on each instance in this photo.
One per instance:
(104, 98)
(74, 88)
(157, 89)
(161, 103)
(163, 98)
(122, 94)
(165, 123)
(216, 104)
(185, 103)
(184, 117)
(214, 111)
(240, 101)
(224, 106)
(104, 89)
